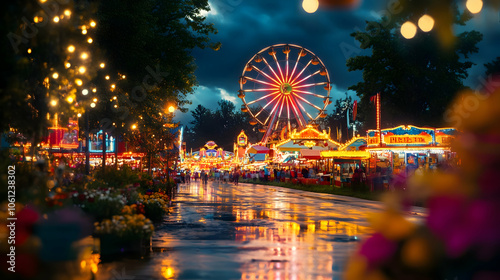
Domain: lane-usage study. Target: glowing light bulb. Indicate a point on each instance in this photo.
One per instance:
(107, 77)
(84, 55)
(29, 50)
(67, 13)
(95, 99)
(114, 97)
(408, 30)
(55, 75)
(134, 126)
(78, 82)
(56, 19)
(67, 65)
(82, 69)
(70, 99)
(79, 115)
(171, 109)
(474, 6)
(85, 91)
(36, 19)
(102, 65)
(84, 31)
(113, 86)
(92, 105)
(426, 23)
(94, 90)
(71, 48)
(123, 76)
(310, 6)
(92, 24)
(89, 40)
(53, 103)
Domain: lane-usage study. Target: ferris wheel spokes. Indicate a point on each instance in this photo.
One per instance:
(307, 77)
(263, 108)
(283, 79)
(307, 102)
(310, 85)
(272, 70)
(292, 79)
(265, 74)
(258, 81)
(263, 97)
(309, 93)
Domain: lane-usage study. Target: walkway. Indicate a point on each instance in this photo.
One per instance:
(223, 231)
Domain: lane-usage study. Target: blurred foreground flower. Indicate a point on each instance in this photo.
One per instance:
(460, 238)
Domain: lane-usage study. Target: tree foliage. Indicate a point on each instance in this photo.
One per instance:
(416, 78)
(493, 67)
(222, 126)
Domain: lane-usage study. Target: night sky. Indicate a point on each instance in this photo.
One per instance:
(247, 26)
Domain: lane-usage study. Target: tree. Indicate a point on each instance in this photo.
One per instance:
(416, 78)
(222, 126)
(150, 42)
(493, 67)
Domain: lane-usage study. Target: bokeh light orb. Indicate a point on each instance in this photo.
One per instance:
(426, 23)
(310, 6)
(408, 30)
(474, 6)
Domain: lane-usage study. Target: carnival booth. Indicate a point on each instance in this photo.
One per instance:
(208, 157)
(349, 158)
(407, 148)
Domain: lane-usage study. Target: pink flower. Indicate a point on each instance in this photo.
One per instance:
(377, 249)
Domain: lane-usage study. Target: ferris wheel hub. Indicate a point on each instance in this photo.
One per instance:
(286, 88)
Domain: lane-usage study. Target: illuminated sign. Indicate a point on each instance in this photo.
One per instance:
(242, 139)
(404, 139)
(96, 142)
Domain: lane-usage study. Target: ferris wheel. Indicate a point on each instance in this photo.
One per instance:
(284, 86)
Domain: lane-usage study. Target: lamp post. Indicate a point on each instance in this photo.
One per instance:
(171, 110)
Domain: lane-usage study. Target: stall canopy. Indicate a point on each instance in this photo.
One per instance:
(258, 150)
(310, 154)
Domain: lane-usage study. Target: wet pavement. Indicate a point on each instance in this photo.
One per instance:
(223, 231)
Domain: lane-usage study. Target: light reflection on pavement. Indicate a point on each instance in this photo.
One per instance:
(222, 231)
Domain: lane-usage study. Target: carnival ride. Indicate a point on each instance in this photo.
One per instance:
(284, 87)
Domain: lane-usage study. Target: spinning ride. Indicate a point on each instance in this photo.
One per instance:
(284, 87)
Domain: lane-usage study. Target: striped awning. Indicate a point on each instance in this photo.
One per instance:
(310, 154)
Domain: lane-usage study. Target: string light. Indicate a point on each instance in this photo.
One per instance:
(89, 40)
(53, 103)
(84, 31)
(107, 77)
(92, 24)
(82, 69)
(84, 55)
(85, 91)
(29, 50)
(69, 99)
(56, 19)
(67, 65)
(78, 82)
(92, 105)
(55, 75)
(67, 13)
(94, 90)
(123, 76)
(79, 115)
(71, 48)
(102, 65)
(95, 99)
(113, 86)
